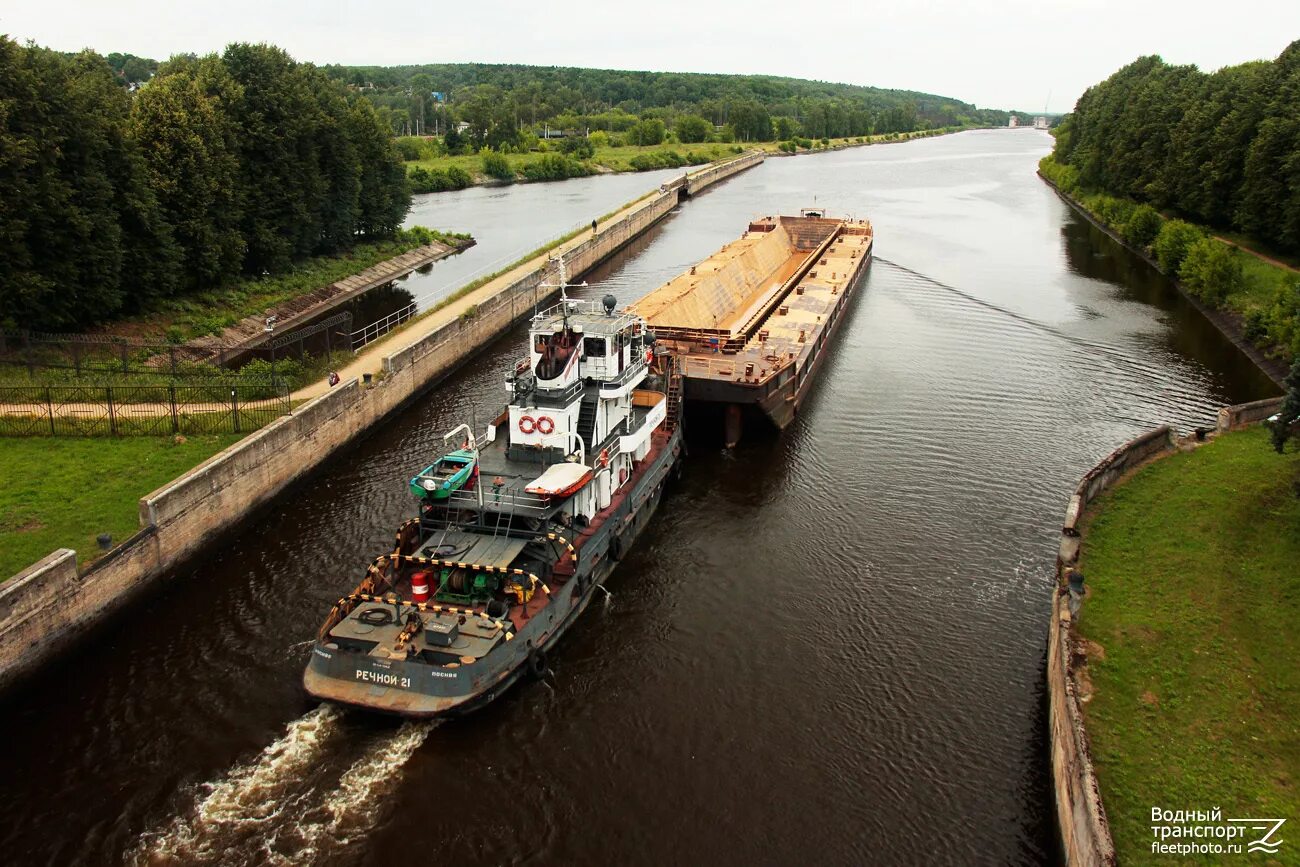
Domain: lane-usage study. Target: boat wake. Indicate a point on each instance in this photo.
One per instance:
(277, 809)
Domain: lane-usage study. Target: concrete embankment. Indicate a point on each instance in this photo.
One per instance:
(47, 607)
(1228, 323)
(1081, 818)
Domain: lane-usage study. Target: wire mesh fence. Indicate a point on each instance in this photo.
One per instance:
(134, 410)
(73, 357)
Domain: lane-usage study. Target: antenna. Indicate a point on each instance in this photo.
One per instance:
(564, 285)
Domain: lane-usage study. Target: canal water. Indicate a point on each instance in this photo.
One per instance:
(829, 645)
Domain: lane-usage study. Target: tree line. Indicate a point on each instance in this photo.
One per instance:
(1219, 148)
(499, 102)
(112, 197)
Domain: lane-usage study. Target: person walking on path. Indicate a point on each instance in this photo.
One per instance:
(593, 227)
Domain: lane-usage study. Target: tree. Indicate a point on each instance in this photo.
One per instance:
(646, 132)
(1143, 226)
(1171, 245)
(190, 147)
(1212, 270)
(692, 128)
(81, 233)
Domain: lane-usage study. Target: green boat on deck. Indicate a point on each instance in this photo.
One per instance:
(450, 473)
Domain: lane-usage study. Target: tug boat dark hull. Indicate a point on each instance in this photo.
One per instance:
(411, 687)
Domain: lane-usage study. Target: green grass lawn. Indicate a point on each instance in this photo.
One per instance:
(63, 492)
(1194, 574)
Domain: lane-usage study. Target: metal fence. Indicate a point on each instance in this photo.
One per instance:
(100, 355)
(133, 410)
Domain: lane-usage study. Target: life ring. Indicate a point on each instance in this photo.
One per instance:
(622, 475)
(537, 663)
(603, 460)
(545, 424)
(649, 356)
(526, 424)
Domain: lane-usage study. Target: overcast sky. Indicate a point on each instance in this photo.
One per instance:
(997, 53)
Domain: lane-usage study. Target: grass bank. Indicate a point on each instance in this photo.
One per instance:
(1194, 595)
(62, 493)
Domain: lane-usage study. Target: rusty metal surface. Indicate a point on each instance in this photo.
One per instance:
(780, 324)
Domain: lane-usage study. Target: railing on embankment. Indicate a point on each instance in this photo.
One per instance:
(1081, 819)
(46, 607)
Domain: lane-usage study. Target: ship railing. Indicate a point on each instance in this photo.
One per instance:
(734, 367)
(499, 500)
(564, 395)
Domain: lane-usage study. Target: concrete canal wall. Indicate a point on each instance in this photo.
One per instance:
(47, 607)
(1081, 818)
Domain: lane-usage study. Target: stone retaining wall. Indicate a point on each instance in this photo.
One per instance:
(1081, 818)
(45, 608)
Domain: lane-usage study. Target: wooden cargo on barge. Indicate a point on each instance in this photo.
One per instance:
(749, 325)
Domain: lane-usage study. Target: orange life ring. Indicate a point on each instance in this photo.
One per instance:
(544, 424)
(649, 356)
(603, 460)
(526, 424)
(622, 475)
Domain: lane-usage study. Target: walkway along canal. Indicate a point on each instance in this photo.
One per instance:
(832, 638)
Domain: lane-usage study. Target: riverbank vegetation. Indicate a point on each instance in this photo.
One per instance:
(113, 200)
(433, 170)
(1189, 624)
(1171, 157)
(103, 480)
(499, 103)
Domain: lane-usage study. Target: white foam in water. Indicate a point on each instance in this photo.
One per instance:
(349, 810)
(254, 816)
(252, 796)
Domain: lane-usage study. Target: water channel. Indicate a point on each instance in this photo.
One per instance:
(829, 646)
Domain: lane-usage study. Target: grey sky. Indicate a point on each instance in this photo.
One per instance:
(998, 53)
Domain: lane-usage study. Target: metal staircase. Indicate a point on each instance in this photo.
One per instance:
(673, 416)
(587, 421)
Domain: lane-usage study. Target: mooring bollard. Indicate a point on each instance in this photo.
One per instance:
(366, 379)
(105, 541)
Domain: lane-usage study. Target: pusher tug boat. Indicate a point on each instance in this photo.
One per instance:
(517, 528)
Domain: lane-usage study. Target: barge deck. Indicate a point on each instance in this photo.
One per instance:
(749, 325)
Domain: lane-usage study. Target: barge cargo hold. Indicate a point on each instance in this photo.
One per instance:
(749, 325)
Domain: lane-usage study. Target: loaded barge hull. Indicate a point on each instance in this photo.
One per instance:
(750, 325)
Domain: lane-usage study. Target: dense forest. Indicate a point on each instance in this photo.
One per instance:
(1221, 148)
(113, 196)
(499, 102)
(124, 180)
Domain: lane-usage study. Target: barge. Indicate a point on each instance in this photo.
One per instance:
(518, 526)
(749, 325)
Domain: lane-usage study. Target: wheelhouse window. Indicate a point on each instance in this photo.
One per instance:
(556, 350)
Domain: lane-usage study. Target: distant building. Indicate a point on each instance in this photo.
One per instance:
(1040, 122)
(1013, 122)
